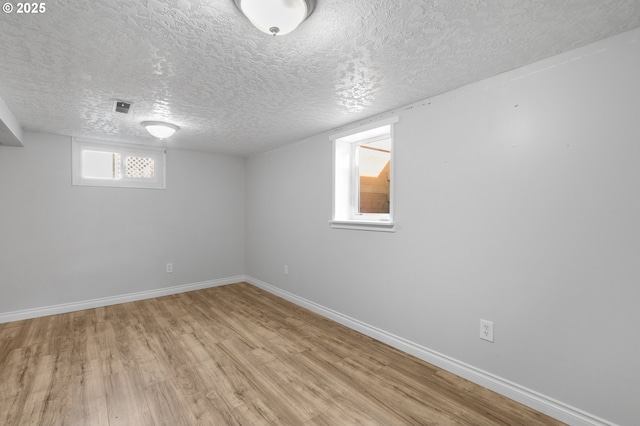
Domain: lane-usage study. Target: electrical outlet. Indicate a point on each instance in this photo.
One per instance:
(169, 268)
(286, 269)
(486, 330)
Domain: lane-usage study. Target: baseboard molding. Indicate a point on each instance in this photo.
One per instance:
(528, 397)
(114, 300)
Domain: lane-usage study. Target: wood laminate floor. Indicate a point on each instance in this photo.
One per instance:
(226, 356)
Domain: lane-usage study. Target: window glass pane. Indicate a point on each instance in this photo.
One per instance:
(111, 164)
(139, 167)
(363, 170)
(374, 166)
(100, 165)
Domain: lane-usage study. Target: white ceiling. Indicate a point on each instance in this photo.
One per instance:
(201, 65)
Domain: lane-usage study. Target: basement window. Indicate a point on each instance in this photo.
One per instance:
(363, 178)
(97, 163)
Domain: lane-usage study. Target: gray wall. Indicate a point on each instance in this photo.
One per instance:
(518, 201)
(61, 243)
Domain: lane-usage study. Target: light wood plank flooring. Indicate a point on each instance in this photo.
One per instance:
(228, 355)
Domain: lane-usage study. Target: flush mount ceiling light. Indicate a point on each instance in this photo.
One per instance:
(160, 129)
(276, 17)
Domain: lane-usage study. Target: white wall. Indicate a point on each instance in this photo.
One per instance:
(61, 243)
(518, 201)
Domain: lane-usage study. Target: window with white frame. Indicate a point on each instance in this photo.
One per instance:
(97, 163)
(363, 178)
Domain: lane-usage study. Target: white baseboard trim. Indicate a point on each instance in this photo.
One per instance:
(528, 397)
(114, 300)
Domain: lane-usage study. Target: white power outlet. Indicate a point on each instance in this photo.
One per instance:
(286, 269)
(169, 268)
(486, 330)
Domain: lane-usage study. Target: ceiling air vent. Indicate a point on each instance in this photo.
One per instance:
(122, 106)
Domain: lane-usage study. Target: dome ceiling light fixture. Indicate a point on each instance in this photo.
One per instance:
(276, 17)
(159, 129)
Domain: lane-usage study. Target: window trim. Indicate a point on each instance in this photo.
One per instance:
(367, 221)
(78, 145)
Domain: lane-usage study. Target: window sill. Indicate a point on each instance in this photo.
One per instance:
(363, 225)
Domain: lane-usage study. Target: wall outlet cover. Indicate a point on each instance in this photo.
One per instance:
(486, 330)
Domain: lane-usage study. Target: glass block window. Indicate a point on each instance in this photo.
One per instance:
(139, 167)
(97, 163)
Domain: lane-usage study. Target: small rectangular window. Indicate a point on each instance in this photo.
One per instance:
(113, 164)
(363, 178)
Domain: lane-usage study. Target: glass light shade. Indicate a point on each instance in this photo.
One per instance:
(276, 17)
(159, 129)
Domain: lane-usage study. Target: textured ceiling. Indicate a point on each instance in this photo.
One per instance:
(231, 88)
